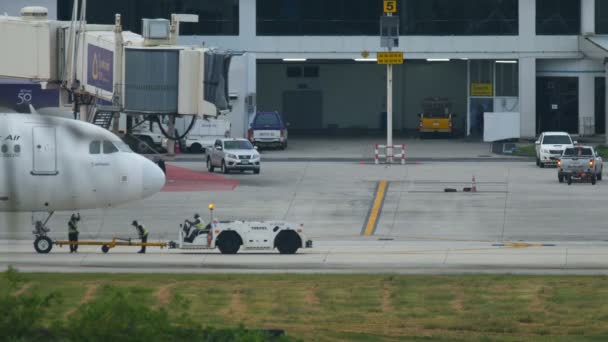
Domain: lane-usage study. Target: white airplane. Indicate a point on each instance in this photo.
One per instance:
(50, 164)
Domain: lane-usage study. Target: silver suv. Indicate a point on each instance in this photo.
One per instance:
(233, 154)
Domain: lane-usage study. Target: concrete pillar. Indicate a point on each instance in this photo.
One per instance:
(527, 69)
(247, 20)
(587, 16)
(527, 20)
(527, 96)
(586, 104)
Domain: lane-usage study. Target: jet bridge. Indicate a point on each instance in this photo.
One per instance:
(147, 74)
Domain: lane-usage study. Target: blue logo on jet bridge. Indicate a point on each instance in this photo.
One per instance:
(100, 63)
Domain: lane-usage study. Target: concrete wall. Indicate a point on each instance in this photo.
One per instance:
(417, 47)
(354, 95)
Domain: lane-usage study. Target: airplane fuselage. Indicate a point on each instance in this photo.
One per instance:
(50, 164)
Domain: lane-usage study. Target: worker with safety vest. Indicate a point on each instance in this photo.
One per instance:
(73, 232)
(143, 235)
(195, 227)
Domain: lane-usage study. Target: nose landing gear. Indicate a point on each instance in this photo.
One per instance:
(42, 243)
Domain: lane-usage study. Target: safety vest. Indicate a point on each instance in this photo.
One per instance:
(143, 232)
(72, 227)
(199, 225)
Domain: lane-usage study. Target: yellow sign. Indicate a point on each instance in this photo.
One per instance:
(390, 57)
(390, 6)
(482, 89)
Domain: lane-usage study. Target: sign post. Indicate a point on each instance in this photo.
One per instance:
(389, 38)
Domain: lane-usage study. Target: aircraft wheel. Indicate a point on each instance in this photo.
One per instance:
(105, 249)
(43, 244)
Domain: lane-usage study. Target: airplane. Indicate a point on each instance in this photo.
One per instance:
(49, 164)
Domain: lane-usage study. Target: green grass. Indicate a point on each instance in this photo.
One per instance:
(525, 151)
(602, 151)
(530, 151)
(355, 307)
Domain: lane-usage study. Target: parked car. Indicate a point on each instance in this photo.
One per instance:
(233, 154)
(268, 129)
(580, 162)
(550, 147)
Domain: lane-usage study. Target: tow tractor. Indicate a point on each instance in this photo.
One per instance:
(227, 236)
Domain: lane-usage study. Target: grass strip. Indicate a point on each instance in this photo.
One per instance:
(354, 307)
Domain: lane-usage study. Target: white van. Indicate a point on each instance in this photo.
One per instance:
(205, 132)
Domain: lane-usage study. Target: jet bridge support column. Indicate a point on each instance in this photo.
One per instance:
(171, 132)
(84, 112)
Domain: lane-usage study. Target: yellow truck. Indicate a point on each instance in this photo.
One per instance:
(436, 116)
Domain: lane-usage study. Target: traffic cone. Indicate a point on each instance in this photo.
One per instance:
(177, 148)
(473, 185)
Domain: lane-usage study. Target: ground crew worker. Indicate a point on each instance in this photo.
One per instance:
(73, 232)
(143, 235)
(195, 227)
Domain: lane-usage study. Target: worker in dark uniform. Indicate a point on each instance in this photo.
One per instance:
(143, 235)
(194, 228)
(73, 232)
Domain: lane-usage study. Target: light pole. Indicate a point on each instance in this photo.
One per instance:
(389, 38)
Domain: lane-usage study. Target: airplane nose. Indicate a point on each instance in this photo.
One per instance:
(153, 180)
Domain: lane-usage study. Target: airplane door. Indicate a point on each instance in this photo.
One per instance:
(45, 151)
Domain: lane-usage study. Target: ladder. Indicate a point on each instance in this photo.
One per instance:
(103, 119)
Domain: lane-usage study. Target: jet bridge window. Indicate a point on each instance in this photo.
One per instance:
(95, 147)
(108, 147)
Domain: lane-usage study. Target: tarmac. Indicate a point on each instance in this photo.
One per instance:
(520, 220)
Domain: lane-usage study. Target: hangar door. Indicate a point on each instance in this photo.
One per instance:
(45, 152)
(557, 104)
(303, 110)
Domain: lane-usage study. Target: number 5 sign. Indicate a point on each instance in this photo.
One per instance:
(390, 6)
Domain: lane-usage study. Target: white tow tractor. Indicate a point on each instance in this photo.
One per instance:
(229, 236)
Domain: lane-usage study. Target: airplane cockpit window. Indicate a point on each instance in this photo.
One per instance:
(122, 146)
(95, 147)
(17, 148)
(108, 147)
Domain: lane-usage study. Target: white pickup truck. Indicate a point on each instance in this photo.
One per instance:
(579, 163)
(205, 132)
(550, 146)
